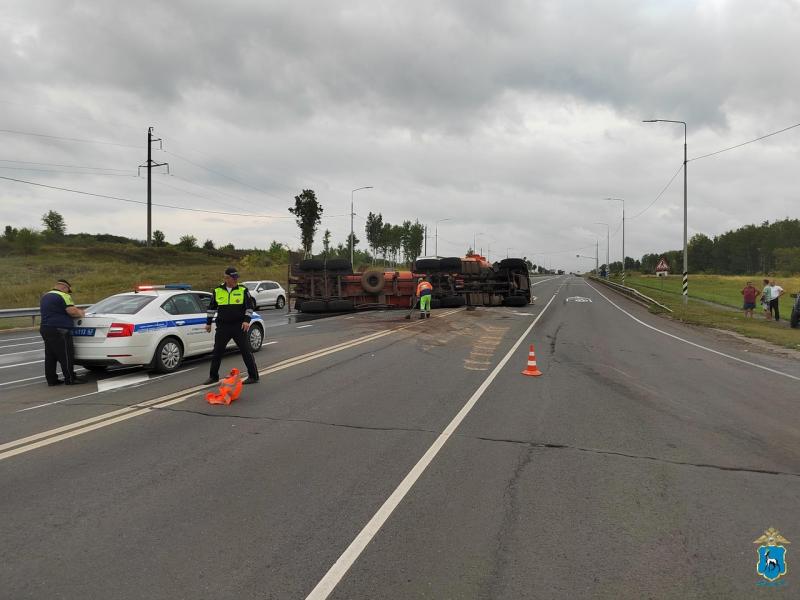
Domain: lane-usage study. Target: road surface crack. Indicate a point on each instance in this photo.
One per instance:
(534, 444)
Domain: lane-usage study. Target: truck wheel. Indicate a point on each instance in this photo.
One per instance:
(280, 303)
(426, 266)
(453, 301)
(168, 355)
(340, 305)
(255, 337)
(450, 265)
(372, 281)
(314, 306)
(341, 265)
(311, 264)
(515, 301)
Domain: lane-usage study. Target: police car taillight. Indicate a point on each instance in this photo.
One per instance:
(120, 330)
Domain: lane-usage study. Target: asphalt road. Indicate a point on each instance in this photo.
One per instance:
(385, 458)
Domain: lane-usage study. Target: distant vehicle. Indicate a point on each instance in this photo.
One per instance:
(155, 326)
(266, 294)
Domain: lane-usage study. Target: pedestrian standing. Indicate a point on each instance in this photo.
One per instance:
(424, 293)
(774, 298)
(57, 310)
(749, 293)
(765, 300)
(233, 306)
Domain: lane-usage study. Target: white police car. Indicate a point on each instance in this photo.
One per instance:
(156, 326)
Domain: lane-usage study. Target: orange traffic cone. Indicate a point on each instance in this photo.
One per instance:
(532, 369)
(229, 389)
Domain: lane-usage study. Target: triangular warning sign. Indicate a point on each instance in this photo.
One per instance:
(662, 265)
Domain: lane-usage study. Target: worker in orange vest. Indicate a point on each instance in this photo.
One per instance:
(424, 292)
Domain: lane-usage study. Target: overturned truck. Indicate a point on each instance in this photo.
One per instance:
(318, 285)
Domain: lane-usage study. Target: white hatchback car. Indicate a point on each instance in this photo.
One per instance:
(156, 326)
(266, 293)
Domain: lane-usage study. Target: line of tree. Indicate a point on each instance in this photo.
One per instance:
(394, 242)
(748, 250)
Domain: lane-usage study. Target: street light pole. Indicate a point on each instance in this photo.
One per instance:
(623, 235)
(352, 214)
(608, 244)
(685, 253)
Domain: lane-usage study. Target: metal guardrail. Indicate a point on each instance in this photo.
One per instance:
(628, 291)
(18, 313)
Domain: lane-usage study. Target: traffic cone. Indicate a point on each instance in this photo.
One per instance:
(229, 389)
(532, 370)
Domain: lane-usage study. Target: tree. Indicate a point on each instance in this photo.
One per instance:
(27, 241)
(374, 229)
(355, 240)
(188, 242)
(158, 238)
(11, 233)
(54, 223)
(326, 242)
(308, 214)
(413, 236)
(701, 253)
(208, 245)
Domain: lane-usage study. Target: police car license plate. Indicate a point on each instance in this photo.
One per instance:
(83, 331)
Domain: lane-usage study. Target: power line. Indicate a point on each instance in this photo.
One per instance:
(661, 193)
(27, 162)
(198, 210)
(68, 139)
(69, 172)
(745, 143)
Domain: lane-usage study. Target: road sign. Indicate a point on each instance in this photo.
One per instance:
(662, 265)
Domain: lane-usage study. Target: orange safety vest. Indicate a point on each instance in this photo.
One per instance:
(424, 288)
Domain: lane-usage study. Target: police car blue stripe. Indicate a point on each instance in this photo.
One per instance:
(153, 325)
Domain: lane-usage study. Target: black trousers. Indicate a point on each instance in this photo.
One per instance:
(58, 348)
(773, 304)
(224, 334)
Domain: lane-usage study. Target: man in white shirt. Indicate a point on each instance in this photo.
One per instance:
(776, 292)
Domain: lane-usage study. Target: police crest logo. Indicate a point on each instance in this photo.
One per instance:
(771, 555)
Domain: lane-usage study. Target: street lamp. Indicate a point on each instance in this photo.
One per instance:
(475, 242)
(436, 243)
(352, 213)
(623, 235)
(594, 258)
(608, 243)
(685, 254)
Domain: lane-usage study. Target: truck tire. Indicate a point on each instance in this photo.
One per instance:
(314, 306)
(436, 303)
(515, 301)
(453, 301)
(311, 264)
(426, 265)
(340, 265)
(341, 306)
(513, 263)
(373, 281)
(450, 265)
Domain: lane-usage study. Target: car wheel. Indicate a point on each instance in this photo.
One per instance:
(255, 337)
(280, 303)
(168, 356)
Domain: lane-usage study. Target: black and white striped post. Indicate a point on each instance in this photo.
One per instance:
(685, 252)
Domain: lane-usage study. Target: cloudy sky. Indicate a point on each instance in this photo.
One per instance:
(507, 122)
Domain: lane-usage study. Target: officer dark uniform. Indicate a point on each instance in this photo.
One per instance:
(57, 311)
(232, 304)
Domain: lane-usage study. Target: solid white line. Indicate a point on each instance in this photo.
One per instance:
(25, 344)
(111, 383)
(23, 352)
(356, 547)
(543, 280)
(35, 337)
(268, 343)
(685, 341)
(303, 326)
(32, 378)
(33, 362)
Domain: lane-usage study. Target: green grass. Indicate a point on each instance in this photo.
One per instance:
(104, 269)
(722, 309)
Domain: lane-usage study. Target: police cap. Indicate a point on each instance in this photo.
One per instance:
(232, 272)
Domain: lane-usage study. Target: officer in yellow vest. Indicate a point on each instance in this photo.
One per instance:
(232, 305)
(57, 310)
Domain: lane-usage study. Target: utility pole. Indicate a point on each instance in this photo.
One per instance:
(149, 166)
(425, 252)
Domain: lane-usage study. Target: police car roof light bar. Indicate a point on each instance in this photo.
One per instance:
(169, 286)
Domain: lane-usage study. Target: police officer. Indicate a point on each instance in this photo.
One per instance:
(57, 311)
(232, 304)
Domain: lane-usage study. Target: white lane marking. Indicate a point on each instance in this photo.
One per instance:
(32, 378)
(23, 352)
(685, 341)
(103, 385)
(33, 362)
(143, 408)
(356, 547)
(349, 317)
(35, 337)
(543, 280)
(268, 343)
(303, 326)
(25, 344)
(522, 314)
(97, 392)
